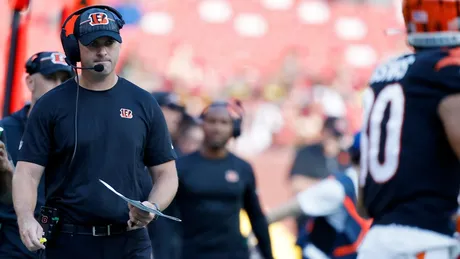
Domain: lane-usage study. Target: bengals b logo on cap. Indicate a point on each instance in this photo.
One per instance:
(98, 19)
(58, 58)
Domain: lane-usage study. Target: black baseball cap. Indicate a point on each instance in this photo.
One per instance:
(47, 63)
(168, 99)
(95, 23)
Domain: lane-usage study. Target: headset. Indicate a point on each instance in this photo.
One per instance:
(236, 112)
(31, 64)
(70, 42)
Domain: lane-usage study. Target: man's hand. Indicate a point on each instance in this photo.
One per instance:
(6, 175)
(139, 218)
(5, 163)
(31, 232)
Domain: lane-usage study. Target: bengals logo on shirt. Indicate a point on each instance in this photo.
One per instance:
(126, 113)
(232, 176)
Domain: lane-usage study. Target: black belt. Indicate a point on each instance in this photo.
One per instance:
(93, 230)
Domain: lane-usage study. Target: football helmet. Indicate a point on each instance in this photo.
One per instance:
(432, 23)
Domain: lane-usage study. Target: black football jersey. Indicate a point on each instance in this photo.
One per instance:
(409, 173)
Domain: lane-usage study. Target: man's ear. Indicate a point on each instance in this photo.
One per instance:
(30, 83)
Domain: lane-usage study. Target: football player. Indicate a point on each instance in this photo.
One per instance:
(410, 144)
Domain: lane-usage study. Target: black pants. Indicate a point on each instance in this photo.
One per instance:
(129, 245)
(11, 246)
(216, 255)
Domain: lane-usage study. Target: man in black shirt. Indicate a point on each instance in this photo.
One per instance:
(214, 186)
(167, 245)
(45, 71)
(174, 113)
(119, 130)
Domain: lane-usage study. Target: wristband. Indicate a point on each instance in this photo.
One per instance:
(157, 208)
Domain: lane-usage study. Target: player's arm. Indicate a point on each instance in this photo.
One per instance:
(256, 217)
(160, 159)
(449, 110)
(25, 184)
(323, 199)
(165, 184)
(302, 182)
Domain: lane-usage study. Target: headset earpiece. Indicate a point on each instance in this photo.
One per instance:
(237, 127)
(71, 48)
(237, 122)
(70, 42)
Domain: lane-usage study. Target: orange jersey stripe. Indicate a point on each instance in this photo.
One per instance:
(364, 223)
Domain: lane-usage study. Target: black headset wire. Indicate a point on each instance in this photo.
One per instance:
(75, 119)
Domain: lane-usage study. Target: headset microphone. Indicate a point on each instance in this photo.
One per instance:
(97, 68)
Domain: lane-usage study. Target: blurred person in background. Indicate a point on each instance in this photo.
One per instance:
(214, 186)
(191, 135)
(315, 162)
(45, 71)
(335, 228)
(174, 113)
(167, 245)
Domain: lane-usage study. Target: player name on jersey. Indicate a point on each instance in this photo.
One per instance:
(393, 70)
